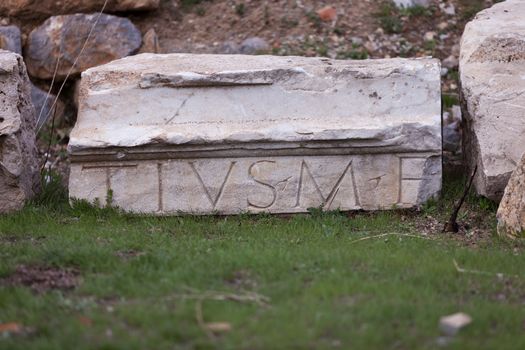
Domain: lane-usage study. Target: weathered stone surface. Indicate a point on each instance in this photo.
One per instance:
(168, 134)
(150, 42)
(511, 212)
(60, 7)
(411, 3)
(11, 39)
(62, 38)
(254, 45)
(492, 73)
(44, 108)
(19, 177)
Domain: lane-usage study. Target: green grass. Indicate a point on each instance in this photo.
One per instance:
(324, 288)
(356, 53)
(449, 100)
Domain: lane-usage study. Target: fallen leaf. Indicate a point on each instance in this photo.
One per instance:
(219, 327)
(327, 13)
(11, 327)
(85, 321)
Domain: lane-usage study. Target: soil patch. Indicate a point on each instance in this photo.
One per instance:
(41, 279)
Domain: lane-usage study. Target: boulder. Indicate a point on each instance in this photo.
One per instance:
(44, 108)
(11, 39)
(207, 134)
(19, 175)
(511, 212)
(59, 7)
(492, 75)
(254, 45)
(62, 38)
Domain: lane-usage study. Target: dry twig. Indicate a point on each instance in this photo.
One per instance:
(479, 272)
(389, 234)
(452, 224)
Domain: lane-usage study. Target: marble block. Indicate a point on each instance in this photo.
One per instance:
(212, 134)
(492, 75)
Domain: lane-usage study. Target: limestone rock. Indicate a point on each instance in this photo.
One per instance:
(451, 137)
(204, 134)
(492, 74)
(150, 42)
(511, 212)
(60, 7)
(254, 45)
(63, 37)
(19, 176)
(44, 107)
(10, 39)
(411, 3)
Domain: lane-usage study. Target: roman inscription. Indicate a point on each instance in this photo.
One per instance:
(281, 184)
(214, 200)
(109, 171)
(328, 199)
(257, 134)
(269, 186)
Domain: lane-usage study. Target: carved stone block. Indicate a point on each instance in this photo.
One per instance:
(204, 134)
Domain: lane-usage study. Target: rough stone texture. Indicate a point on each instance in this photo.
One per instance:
(254, 45)
(60, 7)
(511, 212)
(150, 42)
(63, 37)
(44, 107)
(11, 39)
(165, 134)
(19, 177)
(412, 3)
(492, 73)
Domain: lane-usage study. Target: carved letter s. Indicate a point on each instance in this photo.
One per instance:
(272, 188)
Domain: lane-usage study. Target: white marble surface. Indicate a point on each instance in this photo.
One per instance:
(185, 133)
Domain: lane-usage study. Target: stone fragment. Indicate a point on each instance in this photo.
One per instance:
(19, 176)
(203, 134)
(452, 324)
(62, 37)
(11, 39)
(511, 212)
(451, 62)
(429, 36)
(451, 136)
(448, 8)
(254, 45)
(411, 3)
(492, 74)
(31, 8)
(150, 42)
